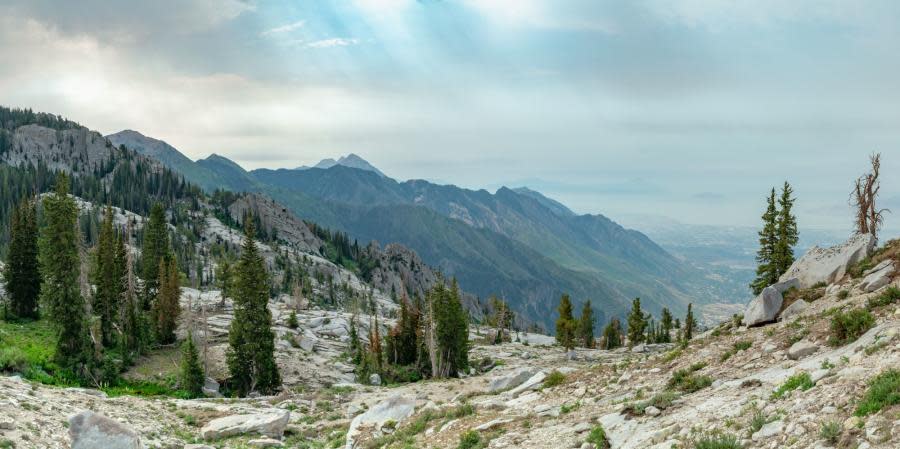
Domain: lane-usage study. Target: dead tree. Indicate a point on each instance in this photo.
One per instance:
(868, 218)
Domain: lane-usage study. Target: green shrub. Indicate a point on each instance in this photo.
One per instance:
(469, 440)
(884, 390)
(800, 381)
(738, 346)
(292, 320)
(554, 378)
(598, 438)
(717, 440)
(843, 294)
(887, 297)
(687, 381)
(846, 327)
(830, 431)
(7, 444)
(662, 401)
(758, 420)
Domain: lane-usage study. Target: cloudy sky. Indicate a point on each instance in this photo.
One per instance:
(689, 109)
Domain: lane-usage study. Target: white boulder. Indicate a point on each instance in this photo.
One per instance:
(878, 277)
(395, 408)
(796, 308)
(89, 430)
(511, 380)
(764, 308)
(829, 265)
(270, 424)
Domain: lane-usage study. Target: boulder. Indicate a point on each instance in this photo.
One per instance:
(374, 379)
(829, 265)
(796, 308)
(211, 387)
(395, 408)
(265, 442)
(307, 341)
(270, 424)
(89, 430)
(878, 277)
(801, 349)
(532, 382)
(769, 430)
(764, 308)
(511, 380)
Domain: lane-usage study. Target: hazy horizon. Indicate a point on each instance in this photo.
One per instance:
(688, 110)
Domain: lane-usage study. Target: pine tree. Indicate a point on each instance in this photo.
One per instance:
(637, 323)
(22, 273)
(60, 270)
(690, 325)
(134, 329)
(192, 375)
(612, 335)
(251, 356)
(666, 326)
(786, 232)
(566, 326)
(586, 326)
(107, 278)
(766, 269)
(448, 333)
(167, 308)
(155, 248)
(292, 320)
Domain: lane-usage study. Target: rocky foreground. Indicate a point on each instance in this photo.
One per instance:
(777, 383)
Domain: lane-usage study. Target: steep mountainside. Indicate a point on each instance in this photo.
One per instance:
(517, 244)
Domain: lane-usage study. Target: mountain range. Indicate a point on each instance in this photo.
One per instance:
(514, 243)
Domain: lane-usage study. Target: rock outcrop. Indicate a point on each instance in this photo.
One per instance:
(89, 430)
(270, 424)
(511, 380)
(878, 276)
(829, 265)
(395, 408)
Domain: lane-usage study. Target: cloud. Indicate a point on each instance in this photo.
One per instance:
(333, 42)
(284, 28)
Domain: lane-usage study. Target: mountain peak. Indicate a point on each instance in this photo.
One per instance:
(351, 160)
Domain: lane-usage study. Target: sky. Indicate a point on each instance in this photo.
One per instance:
(688, 109)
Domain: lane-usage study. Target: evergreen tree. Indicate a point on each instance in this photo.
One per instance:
(134, 331)
(690, 325)
(192, 375)
(292, 320)
(501, 319)
(155, 248)
(449, 350)
(766, 269)
(786, 231)
(251, 356)
(637, 323)
(612, 335)
(666, 326)
(108, 279)
(22, 273)
(60, 270)
(167, 308)
(566, 326)
(586, 326)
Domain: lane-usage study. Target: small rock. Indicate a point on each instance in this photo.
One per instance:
(7, 424)
(265, 442)
(652, 411)
(771, 429)
(801, 349)
(375, 379)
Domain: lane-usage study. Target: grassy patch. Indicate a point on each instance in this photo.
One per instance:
(716, 440)
(421, 423)
(469, 440)
(887, 297)
(554, 378)
(843, 294)
(598, 438)
(830, 431)
(662, 401)
(846, 327)
(737, 347)
(800, 381)
(884, 391)
(687, 381)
